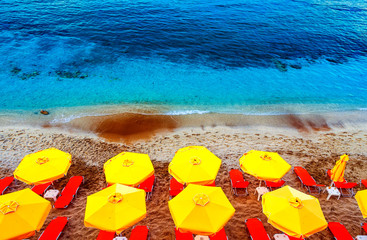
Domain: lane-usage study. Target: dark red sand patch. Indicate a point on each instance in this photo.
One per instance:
(127, 127)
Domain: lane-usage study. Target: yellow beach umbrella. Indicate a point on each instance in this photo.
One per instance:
(361, 198)
(115, 208)
(43, 166)
(200, 209)
(22, 213)
(128, 168)
(337, 173)
(293, 212)
(267, 166)
(194, 164)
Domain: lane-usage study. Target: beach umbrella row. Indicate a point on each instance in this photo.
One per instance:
(48, 165)
(197, 209)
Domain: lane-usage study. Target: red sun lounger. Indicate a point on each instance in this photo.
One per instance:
(4, 184)
(238, 182)
(363, 227)
(221, 235)
(345, 188)
(364, 183)
(104, 235)
(256, 229)
(293, 238)
(69, 192)
(41, 189)
(175, 187)
(139, 233)
(339, 231)
(274, 185)
(148, 186)
(183, 236)
(307, 180)
(54, 229)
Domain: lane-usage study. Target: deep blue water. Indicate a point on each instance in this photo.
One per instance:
(190, 53)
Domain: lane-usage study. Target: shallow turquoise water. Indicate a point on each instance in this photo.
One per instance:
(218, 56)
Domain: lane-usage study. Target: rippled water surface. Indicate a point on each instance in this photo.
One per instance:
(201, 54)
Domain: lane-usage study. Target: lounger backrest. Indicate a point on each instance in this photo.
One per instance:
(256, 229)
(305, 177)
(147, 185)
(237, 178)
(293, 238)
(139, 233)
(210, 184)
(4, 183)
(183, 236)
(221, 235)
(364, 182)
(175, 187)
(104, 235)
(339, 231)
(364, 227)
(72, 186)
(54, 229)
(68, 192)
(346, 185)
(40, 189)
(274, 184)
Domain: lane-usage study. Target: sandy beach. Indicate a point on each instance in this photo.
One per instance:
(316, 149)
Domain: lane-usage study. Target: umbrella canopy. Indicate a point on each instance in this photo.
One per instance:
(267, 166)
(22, 213)
(200, 209)
(194, 164)
(361, 198)
(115, 208)
(337, 173)
(293, 212)
(43, 166)
(128, 168)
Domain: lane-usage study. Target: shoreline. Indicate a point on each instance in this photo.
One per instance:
(126, 123)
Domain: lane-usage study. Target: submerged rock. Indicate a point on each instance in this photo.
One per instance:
(280, 66)
(295, 66)
(25, 76)
(332, 60)
(68, 74)
(15, 70)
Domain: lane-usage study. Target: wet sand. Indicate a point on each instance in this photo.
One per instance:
(316, 149)
(129, 127)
